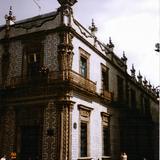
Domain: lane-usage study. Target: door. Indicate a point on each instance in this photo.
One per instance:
(30, 143)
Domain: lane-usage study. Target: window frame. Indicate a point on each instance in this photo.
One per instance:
(133, 99)
(87, 124)
(85, 55)
(84, 117)
(147, 109)
(120, 93)
(105, 117)
(104, 70)
(35, 49)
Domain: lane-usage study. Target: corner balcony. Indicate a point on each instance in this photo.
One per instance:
(74, 78)
(53, 77)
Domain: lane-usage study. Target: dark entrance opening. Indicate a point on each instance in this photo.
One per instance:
(30, 143)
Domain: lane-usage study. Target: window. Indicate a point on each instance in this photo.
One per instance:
(106, 141)
(142, 103)
(84, 130)
(33, 63)
(133, 99)
(34, 58)
(105, 78)
(84, 63)
(105, 134)
(147, 106)
(83, 67)
(120, 88)
(83, 139)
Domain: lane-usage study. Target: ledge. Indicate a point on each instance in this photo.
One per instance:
(85, 158)
(81, 106)
(106, 157)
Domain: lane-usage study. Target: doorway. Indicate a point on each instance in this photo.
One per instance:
(30, 143)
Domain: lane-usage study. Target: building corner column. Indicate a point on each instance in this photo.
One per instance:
(65, 108)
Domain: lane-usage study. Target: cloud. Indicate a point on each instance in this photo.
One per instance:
(134, 28)
(132, 24)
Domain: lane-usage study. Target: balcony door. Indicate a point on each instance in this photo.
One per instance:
(34, 63)
(33, 59)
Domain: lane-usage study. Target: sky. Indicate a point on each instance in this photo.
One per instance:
(133, 25)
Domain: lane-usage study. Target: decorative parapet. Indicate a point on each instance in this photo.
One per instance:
(40, 23)
(143, 84)
(91, 38)
(105, 50)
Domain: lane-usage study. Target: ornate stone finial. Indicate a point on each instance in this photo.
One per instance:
(10, 19)
(124, 58)
(149, 86)
(133, 71)
(93, 28)
(110, 45)
(145, 81)
(157, 93)
(139, 77)
(67, 2)
(153, 89)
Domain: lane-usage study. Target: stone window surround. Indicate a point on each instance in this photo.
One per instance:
(85, 55)
(133, 98)
(37, 49)
(106, 69)
(30, 46)
(84, 116)
(105, 123)
(120, 85)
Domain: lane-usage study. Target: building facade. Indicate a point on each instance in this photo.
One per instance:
(64, 95)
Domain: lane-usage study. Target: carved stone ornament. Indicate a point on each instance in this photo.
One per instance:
(133, 71)
(139, 77)
(124, 58)
(67, 2)
(84, 111)
(105, 118)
